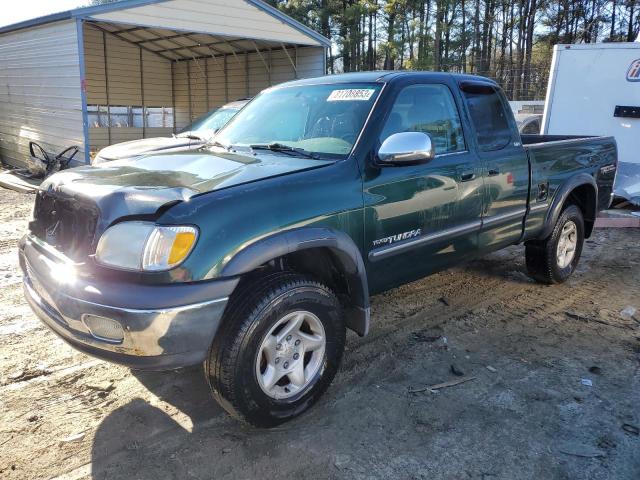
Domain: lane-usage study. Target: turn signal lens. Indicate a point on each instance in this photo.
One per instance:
(181, 246)
(167, 247)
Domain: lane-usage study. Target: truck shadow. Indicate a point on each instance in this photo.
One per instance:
(133, 434)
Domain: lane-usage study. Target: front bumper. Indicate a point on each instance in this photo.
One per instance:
(163, 326)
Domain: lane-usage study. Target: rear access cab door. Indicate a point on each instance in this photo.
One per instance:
(420, 218)
(504, 164)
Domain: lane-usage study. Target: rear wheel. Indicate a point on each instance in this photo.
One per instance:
(554, 259)
(278, 349)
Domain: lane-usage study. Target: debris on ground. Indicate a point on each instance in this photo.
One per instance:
(22, 375)
(106, 386)
(424, 337)
(438, 386)
(491, 369)
(456, 371)
(17, 375)
(578, 450)
(586, 382)
(628, 312)
(73, 438)
(587, 319)
(632, 429)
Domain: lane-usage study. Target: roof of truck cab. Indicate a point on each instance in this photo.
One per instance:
(384, 76)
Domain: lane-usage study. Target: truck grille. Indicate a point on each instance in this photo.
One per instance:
(64, 223)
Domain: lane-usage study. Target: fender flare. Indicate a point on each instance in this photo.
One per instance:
(295, 240)
(561, 197)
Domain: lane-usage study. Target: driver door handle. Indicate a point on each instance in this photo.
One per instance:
(467, 176)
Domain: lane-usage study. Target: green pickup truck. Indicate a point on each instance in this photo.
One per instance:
(255, 253)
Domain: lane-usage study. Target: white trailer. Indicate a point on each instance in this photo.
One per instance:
(594, 89)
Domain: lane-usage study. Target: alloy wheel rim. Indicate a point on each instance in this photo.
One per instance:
(290, 355)
(567, 244)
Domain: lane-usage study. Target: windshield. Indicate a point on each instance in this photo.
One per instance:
(324, 120)
(213, 120)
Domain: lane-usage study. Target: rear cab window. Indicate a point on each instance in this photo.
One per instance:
(489, 117)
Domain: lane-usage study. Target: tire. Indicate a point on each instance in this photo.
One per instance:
(244, 348)
(545, 263)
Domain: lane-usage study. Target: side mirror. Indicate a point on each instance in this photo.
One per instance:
(406, 148)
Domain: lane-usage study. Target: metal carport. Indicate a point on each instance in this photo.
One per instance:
(134, 69)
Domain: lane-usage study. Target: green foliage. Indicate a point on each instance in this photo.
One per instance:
(509, 40)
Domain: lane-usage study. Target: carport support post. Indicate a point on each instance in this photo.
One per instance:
(144, 119)
(246, 73)
(83, 90)
(226, 81)
(173, 95)
(106, 85)
(206, 80)
(189, 89)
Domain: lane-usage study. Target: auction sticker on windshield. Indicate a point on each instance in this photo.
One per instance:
(349, 94)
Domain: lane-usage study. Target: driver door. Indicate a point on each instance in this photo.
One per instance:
(419, 218)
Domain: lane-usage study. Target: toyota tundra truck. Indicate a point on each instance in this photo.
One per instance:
(255, 253)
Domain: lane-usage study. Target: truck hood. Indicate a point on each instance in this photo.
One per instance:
(144, 146)
(141, 186)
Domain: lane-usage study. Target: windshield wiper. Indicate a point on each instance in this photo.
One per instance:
(216, 143)
(281, 147)
(190, 136)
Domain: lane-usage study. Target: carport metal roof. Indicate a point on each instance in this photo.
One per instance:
(176, 46)
(128, 20)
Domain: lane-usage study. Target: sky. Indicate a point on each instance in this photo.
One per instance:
(26, 9)
(17, 11)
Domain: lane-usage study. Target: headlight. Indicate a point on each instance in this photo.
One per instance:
(145, 246)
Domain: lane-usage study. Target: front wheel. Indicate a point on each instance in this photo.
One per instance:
(554, 259)
(278, 349)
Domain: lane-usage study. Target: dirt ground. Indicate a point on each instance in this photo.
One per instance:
(526, 413)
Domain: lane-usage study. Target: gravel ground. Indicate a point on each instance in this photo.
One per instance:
(525, 412)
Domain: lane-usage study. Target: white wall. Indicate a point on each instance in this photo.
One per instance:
(40, 96)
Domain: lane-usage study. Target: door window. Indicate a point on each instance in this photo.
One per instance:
(430, 109)
(489, 117)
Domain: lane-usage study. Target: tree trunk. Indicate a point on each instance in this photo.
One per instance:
(437, 44)
(476, 38)
(388, 58)
(630, 31)
(463, 53)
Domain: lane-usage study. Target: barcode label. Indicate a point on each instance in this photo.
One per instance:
(350, 94)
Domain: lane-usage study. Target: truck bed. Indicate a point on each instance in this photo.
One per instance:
(531, 140)
(553, 158)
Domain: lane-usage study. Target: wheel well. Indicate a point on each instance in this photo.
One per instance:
(584, 197)
(320, 263)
